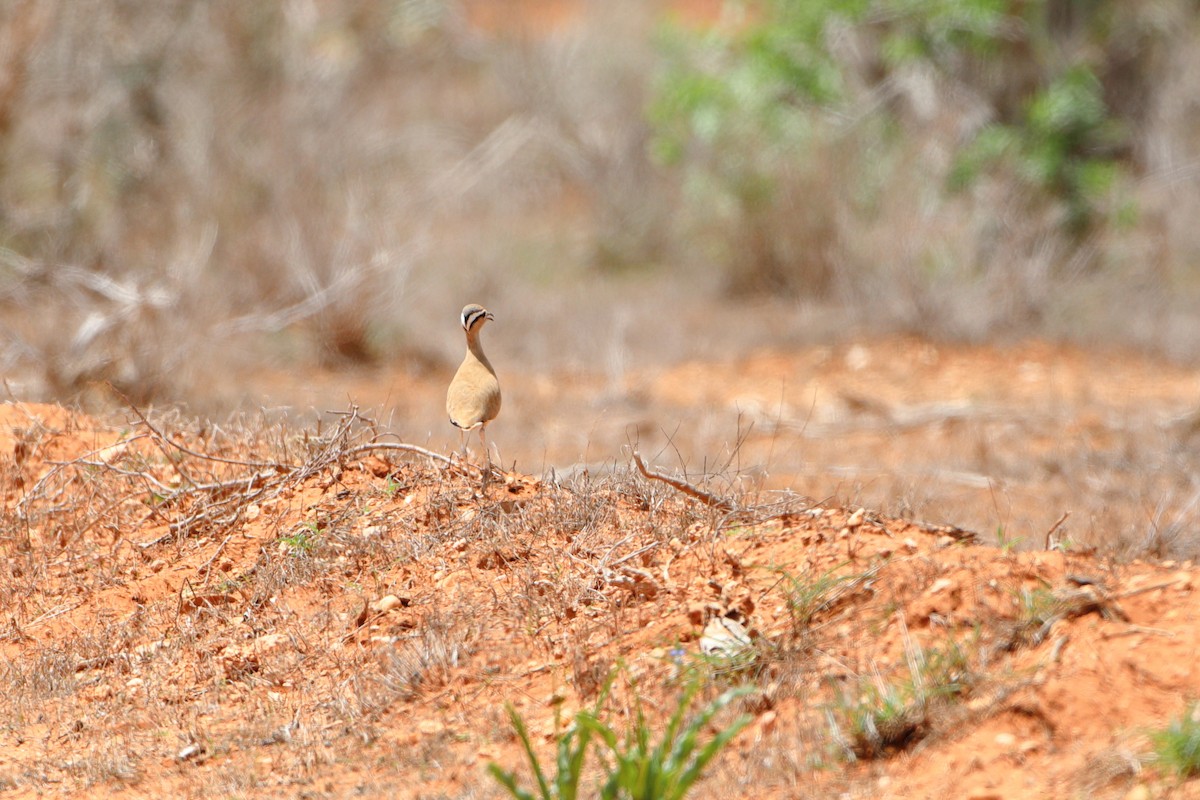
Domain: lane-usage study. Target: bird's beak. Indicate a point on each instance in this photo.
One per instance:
(490, 316)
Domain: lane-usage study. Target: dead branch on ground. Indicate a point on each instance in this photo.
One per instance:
(707, 498)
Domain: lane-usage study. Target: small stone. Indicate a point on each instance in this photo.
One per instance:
(98, 692)
(856, 518)
(1005, 739)
(1139, 792)
(910, 544)
(858, 358)
(191, 751)
(430, 727)
(941, 584)
(386, 603)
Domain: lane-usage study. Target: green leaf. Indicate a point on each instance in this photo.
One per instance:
(509, 782)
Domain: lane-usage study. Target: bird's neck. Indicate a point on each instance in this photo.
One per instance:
(476, 349)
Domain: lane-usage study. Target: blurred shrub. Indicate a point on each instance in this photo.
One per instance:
(909, 151)
(181, 181)
(186, 185)
(1064, 146)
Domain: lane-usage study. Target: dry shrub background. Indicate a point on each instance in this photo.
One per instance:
(186, 182)
(189, 187)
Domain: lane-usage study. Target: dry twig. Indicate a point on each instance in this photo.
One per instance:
(707, 498)
(1055, 527)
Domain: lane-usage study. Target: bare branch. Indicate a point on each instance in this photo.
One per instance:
(1055, 527)
(704, 497)
(401, 446)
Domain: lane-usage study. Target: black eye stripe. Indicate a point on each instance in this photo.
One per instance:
(469, 320)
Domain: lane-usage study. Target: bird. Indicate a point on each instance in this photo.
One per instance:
(473, 399)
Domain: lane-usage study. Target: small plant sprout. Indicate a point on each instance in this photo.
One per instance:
(571, 749)
(302, 540)
(633, 768)
(1177, 747)
(668, 770)
(1007, 544)
(877, 716)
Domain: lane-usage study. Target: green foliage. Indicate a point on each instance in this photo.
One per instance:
(1063, 145)
(302, 540)
(668, 770)
(1178, 746)
(877, 716)
(1007, 543)
(752, 111)
(1037, 606)
(570, 752)
(942, 31)
(634, 769)
(807, 596)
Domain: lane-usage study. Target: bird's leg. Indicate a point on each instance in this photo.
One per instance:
(487, 464)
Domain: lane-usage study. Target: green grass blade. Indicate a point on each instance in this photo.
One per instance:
(570, 761)
(692, 773)
(523, 734)
(607, 734)
(509, 782)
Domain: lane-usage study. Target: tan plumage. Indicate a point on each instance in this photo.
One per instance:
(473, 399)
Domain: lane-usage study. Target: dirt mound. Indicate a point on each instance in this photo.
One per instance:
(195, 610)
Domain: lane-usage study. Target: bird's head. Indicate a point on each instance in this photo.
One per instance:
(473, 317)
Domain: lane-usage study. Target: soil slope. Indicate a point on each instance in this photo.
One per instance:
(261, 612)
